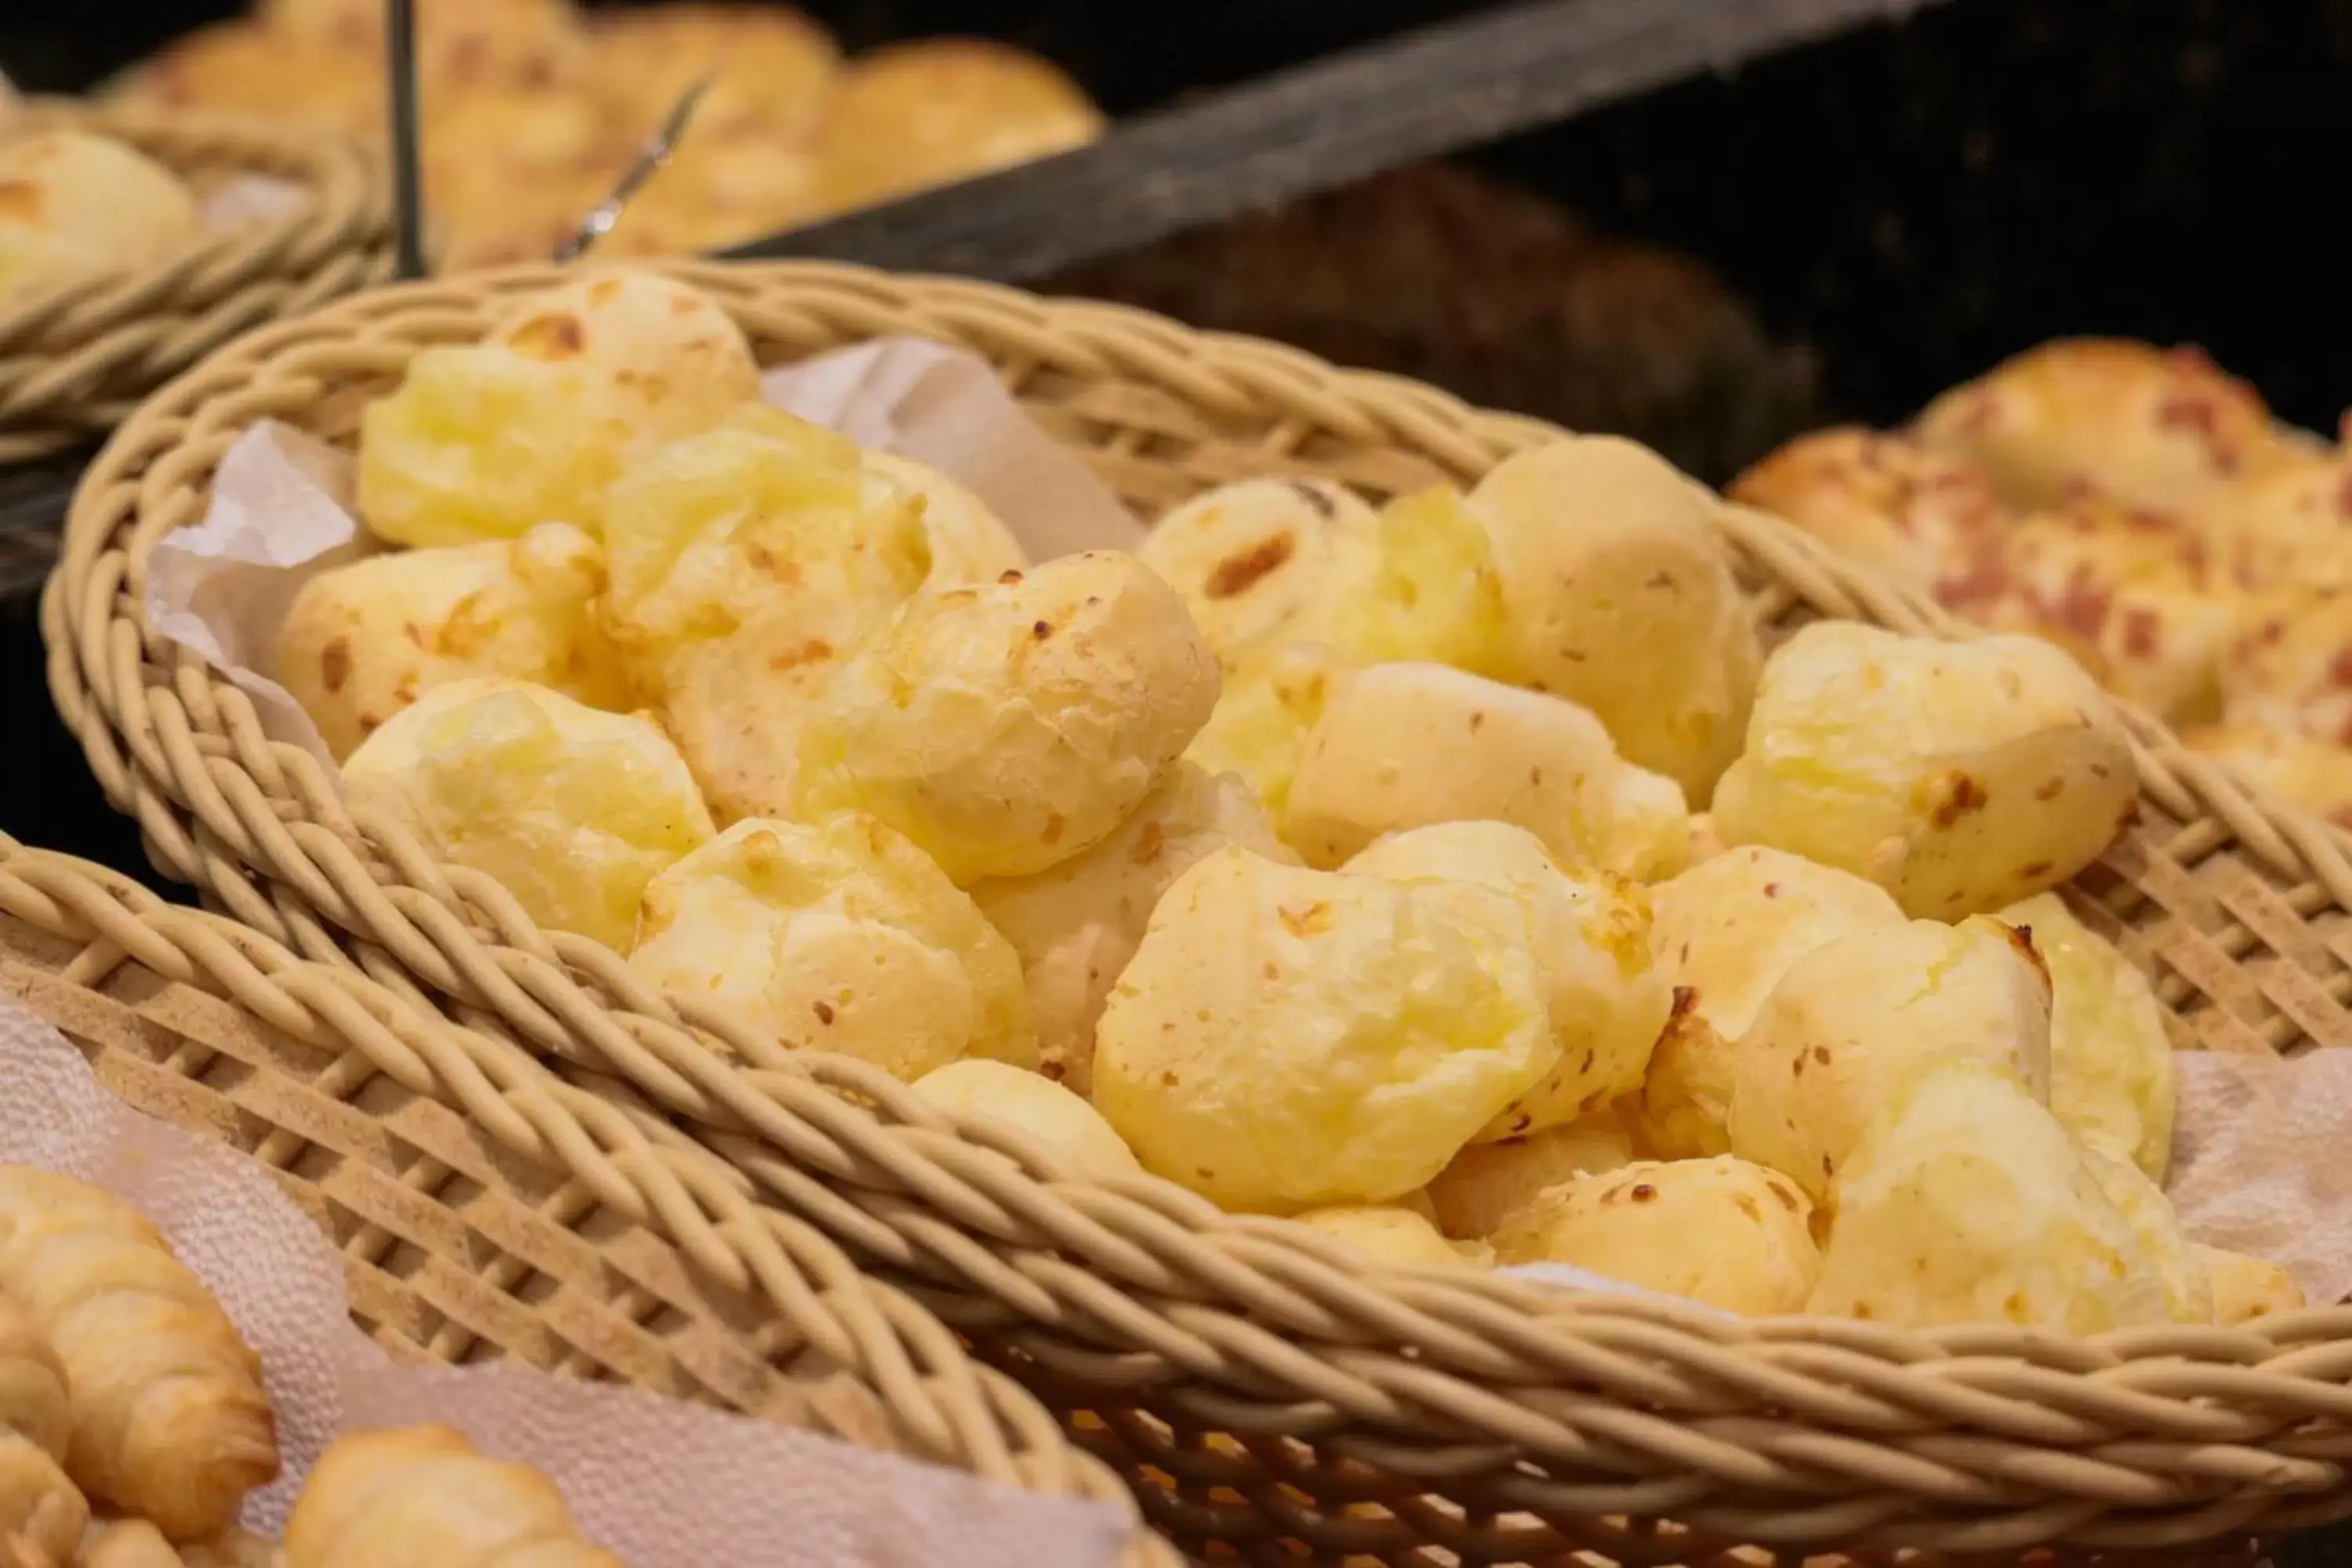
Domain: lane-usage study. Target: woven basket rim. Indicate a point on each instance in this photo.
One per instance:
(992, 1240)
(71, 360)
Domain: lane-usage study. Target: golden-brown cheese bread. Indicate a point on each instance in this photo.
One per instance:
(1851, 1020)
(2290, 668)
(74, 204)
(1885, 499)
(2136, 596)
(2147, 427)
(1077, 924)
(2301, 770)
(1723, 934)
(1959, 776)
(1618, 595)
(411, 1496)
(1718, 1231)
(1966, 1202)
(241, 66)
(362, 642)
(1287, 1040)
(2288, 524)
(170, 1419)
(1487, 1182)
(941, 109)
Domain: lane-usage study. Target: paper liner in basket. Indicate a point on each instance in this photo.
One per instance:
(2245, 1158)
(660, 1483)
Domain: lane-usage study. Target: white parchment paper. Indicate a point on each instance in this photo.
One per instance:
(660, 1483)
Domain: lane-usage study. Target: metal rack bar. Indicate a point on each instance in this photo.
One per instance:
(1319, 126)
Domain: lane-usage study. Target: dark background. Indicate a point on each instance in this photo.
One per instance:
(1912, 201)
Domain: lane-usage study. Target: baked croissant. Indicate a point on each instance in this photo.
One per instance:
(127, 1544)
(421, 1497)
(38, 1504)
(170, 1421)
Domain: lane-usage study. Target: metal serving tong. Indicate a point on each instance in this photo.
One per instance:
(408, 204)
(650, 160)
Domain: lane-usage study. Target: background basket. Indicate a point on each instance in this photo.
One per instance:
(75, 360)
(485, 1211)
(1264, 1391)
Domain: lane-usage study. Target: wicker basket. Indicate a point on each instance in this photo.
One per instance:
(485, 1211)
(1263, 1391)
(75, 360)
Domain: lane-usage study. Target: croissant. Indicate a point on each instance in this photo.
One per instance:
(127, 1544)
(38, 1505)
(169, 1419)
(421, 1497)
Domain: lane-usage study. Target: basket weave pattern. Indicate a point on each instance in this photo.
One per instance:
(75, 360)
(1262, 1390)
(484, 1210)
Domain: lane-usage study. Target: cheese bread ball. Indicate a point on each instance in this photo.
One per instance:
(1435, 595)
(459, 42)
(362, 642)
(240, 66)
(1966, 1202)
(1882, 499)
(1005, 728)
(573, 810)
(1618, 596)
(1724, 932)
(2313, 774)
(1287, 1040)
(1077, 924)
(679, 357)
(2289, 524)
(2290, 669)
(1266, 708)
(747, 561)
(1590, 931)
(1487, 1183)
(1064, 1125)
(769, 67)
(838, 935)
(1959, 776)
(1393, 1237)
(2244, 1287)
(1406, 745)
(913, 115)
(2137, 598)
(2112, 1081)
(484, 440)
(2148, 426)
(1721, 1232)
(1849, 1020)
(2188, 1287)
(73, 206)
(1258, 560)
(969, 543)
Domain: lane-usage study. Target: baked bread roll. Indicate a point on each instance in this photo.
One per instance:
(2148, 426)
(73, 204)
(943, 110)
(241, 67)
(127, 1544)
(421, 1497)
(2315, 774)
(38, 1505)
(170, 1421)
(1885, 500)
(2136, 596)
